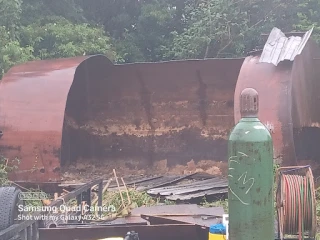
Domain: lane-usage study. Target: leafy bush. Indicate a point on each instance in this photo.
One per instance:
(6, 166)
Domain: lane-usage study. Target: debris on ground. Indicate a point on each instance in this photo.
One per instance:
(142, 200)
(174, 187)
(86, 169)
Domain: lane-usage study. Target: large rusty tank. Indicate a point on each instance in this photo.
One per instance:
(87, 114)
(56, 113)
(286, 75)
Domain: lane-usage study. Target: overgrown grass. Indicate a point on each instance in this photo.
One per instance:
(139, 199)
(6, 166)
(38, 202)
(219, 203)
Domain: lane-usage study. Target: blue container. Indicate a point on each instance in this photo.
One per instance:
(217, 229)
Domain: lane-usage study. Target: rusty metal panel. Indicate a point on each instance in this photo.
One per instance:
(79, 108)
(182, 209)
(273, 84)
(200, 220)
(214, 186)
(279, 47)
(155, 232)
(32, 102)
(288, 92)
(305, 87)
(146, 112)
(305, 104)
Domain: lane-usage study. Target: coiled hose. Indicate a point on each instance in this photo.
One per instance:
(296, 202)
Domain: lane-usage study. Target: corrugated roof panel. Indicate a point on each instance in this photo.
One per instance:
(279, 47)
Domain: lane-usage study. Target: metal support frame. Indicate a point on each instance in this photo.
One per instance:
(27, 230)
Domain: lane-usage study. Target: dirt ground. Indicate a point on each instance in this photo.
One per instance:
(85, 170)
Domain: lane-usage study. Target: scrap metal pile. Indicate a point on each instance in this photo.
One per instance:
(176, 187)
(181, 221)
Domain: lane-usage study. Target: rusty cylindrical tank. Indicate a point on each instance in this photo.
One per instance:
(251, 213)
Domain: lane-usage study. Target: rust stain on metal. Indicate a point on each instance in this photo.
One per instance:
(146, 101)
(59, 111)
(156, 232)
(182, 213)
(272, 83)
(150, 112)
(32, 102)
(202, 99)
(174, 210)
(287, 90)
(55, 112)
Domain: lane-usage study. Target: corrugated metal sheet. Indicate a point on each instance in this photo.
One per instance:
(279, 47)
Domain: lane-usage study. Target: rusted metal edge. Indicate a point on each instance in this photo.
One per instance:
(187, 188)
(37, 141)
(154, 232)
(154, 220)
(76, 192)
(143, 180)
(199, 220)
(167, 182)
(71, 225)
(48, 187)
(133, 182)
(180, 209)
(197, 195)
(15, 229)
(193, 190)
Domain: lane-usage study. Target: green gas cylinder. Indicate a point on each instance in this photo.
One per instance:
(250, 175)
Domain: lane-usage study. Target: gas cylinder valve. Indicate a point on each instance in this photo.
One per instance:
(249, 103)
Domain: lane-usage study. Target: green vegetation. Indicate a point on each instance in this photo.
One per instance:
(137, 198)
(6, 166)
(220, 203)
(156, 30)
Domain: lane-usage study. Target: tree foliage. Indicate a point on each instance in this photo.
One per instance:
(141, 30)
(64, 39)
(45, 29)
